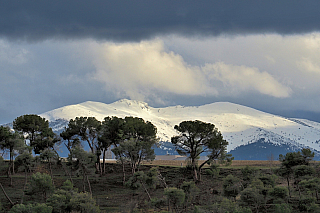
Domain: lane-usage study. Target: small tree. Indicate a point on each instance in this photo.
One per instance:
(26, 160)
(282, 208)
(31, 208)
(111, 133)
(50, 156)
(279, 194)
(11, 142)
(85, 129)
(226, 205)
(40, 183)
(60, 199)
(135, 151)
(84, 203)
(252, 197)
(175, 197)
(307, 204)
(292, 159)
(248, 174)
(191, 190)
(146, 180)
(231, 186)
(139, 138)
(197, 137)
(312, 186)
(82, 161)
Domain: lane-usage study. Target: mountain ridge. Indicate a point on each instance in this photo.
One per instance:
(240, 125)
(252, 134)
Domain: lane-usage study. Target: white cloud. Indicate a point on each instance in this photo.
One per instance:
(241, 78)
(12, 54)
(249, 70)
(292, 60)
(307, 64)
(138, 70)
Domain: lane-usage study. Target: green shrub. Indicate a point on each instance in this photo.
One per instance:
(279, 194)
(231, 186)
(84, 203)
(175, 197)
(282, 208)
(31, 208)
(40, 184)
(307, 204)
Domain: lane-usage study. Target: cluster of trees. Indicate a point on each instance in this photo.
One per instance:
(261, 193)
(132, 140)
(247, 191)
(65, 199)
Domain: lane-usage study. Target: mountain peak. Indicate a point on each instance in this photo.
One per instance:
(131, 102)
(238, 124)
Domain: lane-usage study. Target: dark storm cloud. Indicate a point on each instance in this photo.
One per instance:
(141, 19)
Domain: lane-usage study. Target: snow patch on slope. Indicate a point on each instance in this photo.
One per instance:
(239, 125)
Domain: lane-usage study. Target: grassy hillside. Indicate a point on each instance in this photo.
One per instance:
(111, 195)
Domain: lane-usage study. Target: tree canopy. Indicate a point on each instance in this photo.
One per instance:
(137, 141)
(111, 133)
(291, 160)
(39, 133)
(10, 142)
(83, 128)
(197, 137)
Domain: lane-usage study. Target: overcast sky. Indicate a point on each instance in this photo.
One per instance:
(261, 54)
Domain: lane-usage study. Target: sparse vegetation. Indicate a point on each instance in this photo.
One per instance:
(290, 185)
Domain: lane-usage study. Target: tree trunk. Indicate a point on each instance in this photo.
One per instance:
(51, 172)
(104, 161)
(84, 181)
(299, 192)
(89, 185)
(195, 175)
(9, 173)
(146, 191)
(124, 173)
(67, 173)
(289, 187)
(193, 162)
(100, 167)
(25, 184)
(98, 163)
(5, 194)
(13, 166)
(163, 180)
(91, 146)
(133, 168)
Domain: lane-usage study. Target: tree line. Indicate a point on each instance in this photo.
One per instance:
(132, 140)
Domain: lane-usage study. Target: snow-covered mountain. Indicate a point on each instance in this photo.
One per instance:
(251, 134)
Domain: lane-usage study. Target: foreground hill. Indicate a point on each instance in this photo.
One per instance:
(251, 134)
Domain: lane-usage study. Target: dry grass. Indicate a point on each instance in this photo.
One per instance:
(235, 163)
(166, 163)
(263, 163)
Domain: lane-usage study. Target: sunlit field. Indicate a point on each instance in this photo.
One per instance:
(235, 163)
